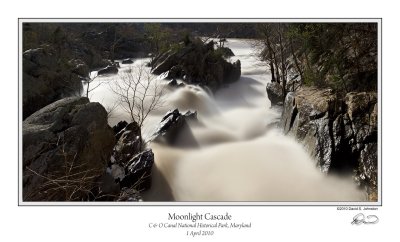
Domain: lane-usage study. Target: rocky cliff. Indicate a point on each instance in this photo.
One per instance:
(340, 133)
(66, 146)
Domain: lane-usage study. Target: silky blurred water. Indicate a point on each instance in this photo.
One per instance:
(238, 158)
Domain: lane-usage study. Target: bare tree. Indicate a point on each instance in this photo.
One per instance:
(139, 93)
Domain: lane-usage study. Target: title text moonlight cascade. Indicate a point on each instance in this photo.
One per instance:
(195, 217)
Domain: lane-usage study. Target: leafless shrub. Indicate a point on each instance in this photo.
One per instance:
(73, 181)
(139, 93)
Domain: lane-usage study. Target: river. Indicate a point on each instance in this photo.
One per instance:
(239, 158)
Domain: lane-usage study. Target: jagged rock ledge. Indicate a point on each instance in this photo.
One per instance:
(174, 129)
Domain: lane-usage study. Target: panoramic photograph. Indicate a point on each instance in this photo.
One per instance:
(199, 112)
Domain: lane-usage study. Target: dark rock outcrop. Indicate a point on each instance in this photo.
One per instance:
(79, 67)
(130, 166)
(197, 63)
(119, 126)
(46, 80)
(340, 134)
(138, 171)
(175, 72)
(275, 93)
(226, 52)
(66, 146)
(174, 129)
(109, 70)
(174, 83)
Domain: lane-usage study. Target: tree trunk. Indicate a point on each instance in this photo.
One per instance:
(296, 62)
(283, 65)
(271, 64)
(278, 79)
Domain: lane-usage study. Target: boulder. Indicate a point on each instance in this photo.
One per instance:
(190, 115)
(79, 67)
(115, 64)
(174, 129)
(127, 61)
(174, 84)
(66, 146)
(275, 93)
(45, 79)
(109, 70)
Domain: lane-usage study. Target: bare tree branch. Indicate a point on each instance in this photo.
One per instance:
(139, 93)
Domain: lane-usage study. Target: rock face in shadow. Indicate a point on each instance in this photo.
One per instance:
(174, 129)
(129, 143)
(46, 80)
(108, 70)
(340, 134)
(138, 171)
(275, 93)
(130, 165)
(66, 146)
(127, 61)
(197, 63)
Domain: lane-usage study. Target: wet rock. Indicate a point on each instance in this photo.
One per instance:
(129, 143)
(67, 139)
(173, 83)
(174, 129)
(138, 171)
(109, 70)
(368, 164)
(115, 64)
(165, 62)
(127, 61)
(120, 126)
(275, 93)
(190, 115)
(175, 72)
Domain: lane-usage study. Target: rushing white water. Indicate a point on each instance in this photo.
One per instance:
(238, 158)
